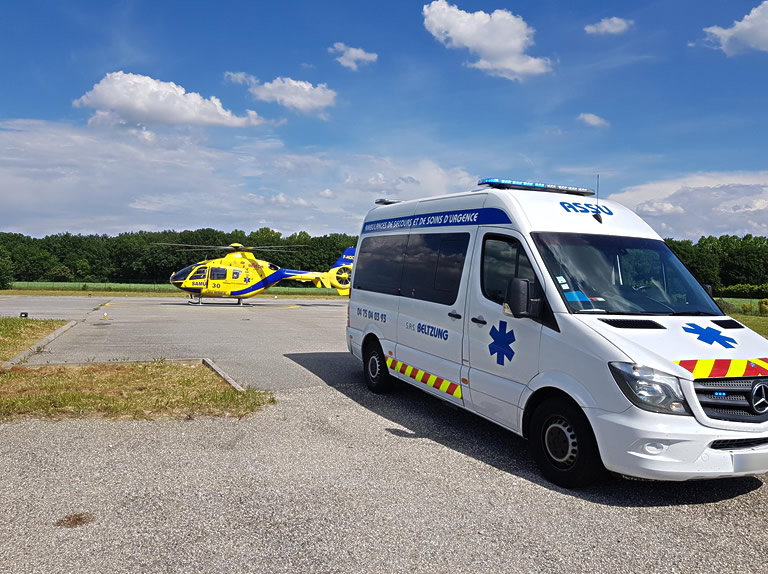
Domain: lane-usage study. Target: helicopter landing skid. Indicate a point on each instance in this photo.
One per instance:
(193, 302)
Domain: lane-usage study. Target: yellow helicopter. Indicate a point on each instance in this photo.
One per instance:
(239, 275)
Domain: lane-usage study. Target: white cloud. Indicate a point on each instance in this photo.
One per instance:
(705, 203)
(611, 25)
(659, 208)
(351, 57)
(499, 39)
(144, 100)
(404, 179)
(594, 121)
(57, 177)
(287, 92)
(285, 201)
(749, 33)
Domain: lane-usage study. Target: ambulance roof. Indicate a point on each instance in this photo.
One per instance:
(568, 210)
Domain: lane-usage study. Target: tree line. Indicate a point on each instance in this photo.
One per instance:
(137, 258)
(726, 262)
(722, 262)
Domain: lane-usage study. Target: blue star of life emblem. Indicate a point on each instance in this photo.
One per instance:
(502, 343)
(710, 336)
(247, 280)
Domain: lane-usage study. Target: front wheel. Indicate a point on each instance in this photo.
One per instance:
(563, 444)
(377, 377)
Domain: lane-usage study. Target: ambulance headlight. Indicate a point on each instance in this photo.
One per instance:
(649, 389)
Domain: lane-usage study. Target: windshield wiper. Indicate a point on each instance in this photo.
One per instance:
(587, 311)
(694, 313)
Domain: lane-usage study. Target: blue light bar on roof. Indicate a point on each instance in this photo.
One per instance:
(497, 183)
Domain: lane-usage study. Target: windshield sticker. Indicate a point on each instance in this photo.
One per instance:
(565, 287)
(561, 279)
(710, 336)
(576, 296)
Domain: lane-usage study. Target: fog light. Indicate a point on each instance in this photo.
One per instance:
(654, 448)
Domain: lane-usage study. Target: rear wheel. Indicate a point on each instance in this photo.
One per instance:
(375, 367)
(563, 444)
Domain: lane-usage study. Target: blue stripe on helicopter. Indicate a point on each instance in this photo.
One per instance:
(482, 216)
(268, 281)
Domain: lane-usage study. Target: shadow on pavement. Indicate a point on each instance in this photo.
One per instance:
(428, 417)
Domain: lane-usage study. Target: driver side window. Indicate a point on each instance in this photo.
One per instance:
(200, 273)
(503, 259)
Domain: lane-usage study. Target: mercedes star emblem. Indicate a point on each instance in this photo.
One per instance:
(760, 397)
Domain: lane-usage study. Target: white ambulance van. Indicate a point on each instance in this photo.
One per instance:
(566, 320)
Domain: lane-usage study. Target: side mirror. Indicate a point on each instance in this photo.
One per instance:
(708, 289)
(523, 299)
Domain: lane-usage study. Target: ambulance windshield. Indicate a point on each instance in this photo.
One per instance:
(604, 274)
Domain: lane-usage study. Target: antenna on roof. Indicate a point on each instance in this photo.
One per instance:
(597, 215)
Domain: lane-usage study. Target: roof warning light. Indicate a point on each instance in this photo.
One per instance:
(496, 183)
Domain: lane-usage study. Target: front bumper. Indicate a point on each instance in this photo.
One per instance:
(668, 447)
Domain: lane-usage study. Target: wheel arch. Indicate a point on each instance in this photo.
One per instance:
(538, 397)
(370, 339)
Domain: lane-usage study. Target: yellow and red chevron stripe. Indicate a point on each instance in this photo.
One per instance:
(423, 377)
(726, 368)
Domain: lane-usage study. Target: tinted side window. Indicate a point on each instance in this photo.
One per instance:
(503, 259)
(218, 274)
(379, 263)
(433, 266)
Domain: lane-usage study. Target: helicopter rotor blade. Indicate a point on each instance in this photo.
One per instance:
(227, 247)
(272, 247)
(286, 248)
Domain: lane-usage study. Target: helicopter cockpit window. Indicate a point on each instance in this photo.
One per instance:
(218, 274)
(235, 274)
(183, 274)
(200, 273)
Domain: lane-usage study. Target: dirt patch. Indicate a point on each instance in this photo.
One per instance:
(75, 520)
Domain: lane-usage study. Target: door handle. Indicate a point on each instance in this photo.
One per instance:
(454, 315)
(479, 321)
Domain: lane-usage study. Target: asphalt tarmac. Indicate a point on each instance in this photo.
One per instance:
(331, 479)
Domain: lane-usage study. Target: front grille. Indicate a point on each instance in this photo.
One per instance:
(738, 443)
(728, 399)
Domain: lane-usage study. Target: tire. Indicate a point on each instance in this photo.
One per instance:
(377, 377)
(563, 445)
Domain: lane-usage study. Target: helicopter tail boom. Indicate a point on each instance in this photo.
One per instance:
(337, 277)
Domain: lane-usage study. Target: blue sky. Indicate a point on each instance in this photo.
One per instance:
(296, 115)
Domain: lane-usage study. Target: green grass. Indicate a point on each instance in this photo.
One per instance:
(47, 288)
(17, 335)
(135, 391)
(86, 287)
(759, 324)
(739, 302)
